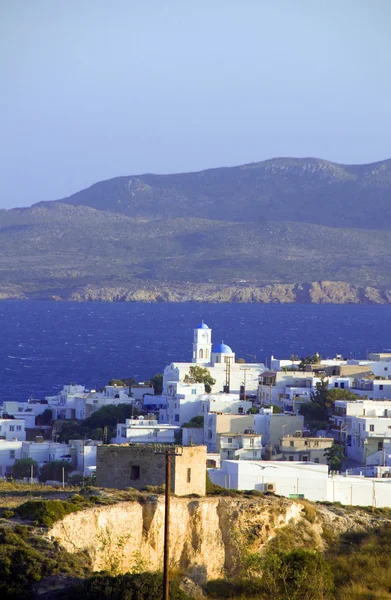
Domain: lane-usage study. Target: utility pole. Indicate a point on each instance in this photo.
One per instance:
(169, 452)
(244, 369)
(227, 374)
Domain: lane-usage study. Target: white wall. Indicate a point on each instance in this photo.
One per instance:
(9, 452)
(310, 480)
(11, 429)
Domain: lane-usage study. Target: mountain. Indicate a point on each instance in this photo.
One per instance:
(304, 190)
(303, 230)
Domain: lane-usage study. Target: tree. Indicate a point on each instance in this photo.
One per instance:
(44, 418)
(312, 359)
(70, 430)
(53, 470)
(201, 375)
(341, 394)
(197, 422)
(22, 468)
(335, 456)
(157, 383)
(117, 382)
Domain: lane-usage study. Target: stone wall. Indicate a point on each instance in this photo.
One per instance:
(138, 466)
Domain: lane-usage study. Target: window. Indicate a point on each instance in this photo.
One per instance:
(381, 387)
(12, 453)
(240, 410)
(306, 443)
(207, 353)
(177, 418)
(251, 442)
(135, 472)
(229, 440)
(316, 443)
(380, 446)
(291, 444)
(305, 459)
(194, 391)
(342, 385)
(335, 385)
(386, 368)
(12, 427)
(290, 457)
(201, 353)
(18, 428)
(188, 475)
(316, 460)
(371, 428)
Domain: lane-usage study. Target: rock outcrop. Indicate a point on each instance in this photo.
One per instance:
(210, 536)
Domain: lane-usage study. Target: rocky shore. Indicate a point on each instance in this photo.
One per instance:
(317, 292)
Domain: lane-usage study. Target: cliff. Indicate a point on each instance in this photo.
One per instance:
(317, 292)
(210, 537)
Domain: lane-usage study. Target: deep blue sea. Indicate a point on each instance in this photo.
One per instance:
(44, 345)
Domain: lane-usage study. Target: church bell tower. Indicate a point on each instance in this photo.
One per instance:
(202, 344)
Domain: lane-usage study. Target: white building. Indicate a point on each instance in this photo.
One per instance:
(9, 452)
(241, 446)
(193, 436)
(12, 429)
(183, 402)
(145, 431)
(85, 455)
(221, 362)
(216, 424)
(274, 426)
(44, 452)
(364, 426)
(302, 480)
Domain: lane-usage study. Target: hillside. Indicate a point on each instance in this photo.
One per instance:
(307, 190)
(56, 544)
(277, 231)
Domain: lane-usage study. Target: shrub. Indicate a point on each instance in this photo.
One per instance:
(8, 514)
(53, 470)
(26, 559)
(46, 512)
(22, 468)
(131, 586)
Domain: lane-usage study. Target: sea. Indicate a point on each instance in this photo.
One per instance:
(44, 345)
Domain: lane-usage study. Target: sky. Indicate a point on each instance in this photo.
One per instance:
(93, 89)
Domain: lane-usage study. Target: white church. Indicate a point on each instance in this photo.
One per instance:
(185, 399)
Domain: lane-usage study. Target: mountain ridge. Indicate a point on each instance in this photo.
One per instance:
(282, 222)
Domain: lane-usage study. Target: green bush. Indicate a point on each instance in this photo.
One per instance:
(47, 512)
(26, 559)
(131, 586)
(8, 514)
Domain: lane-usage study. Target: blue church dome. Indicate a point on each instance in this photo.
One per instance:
(222, 349)
(202, 326)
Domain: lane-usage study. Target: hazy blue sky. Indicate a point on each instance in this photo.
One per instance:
(92, 89)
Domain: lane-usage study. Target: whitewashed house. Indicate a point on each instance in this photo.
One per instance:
(44, 451)
(183, 402)
(302, 480)
(241, 446)
(145, 431)
(12, 429)
(9, 452)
